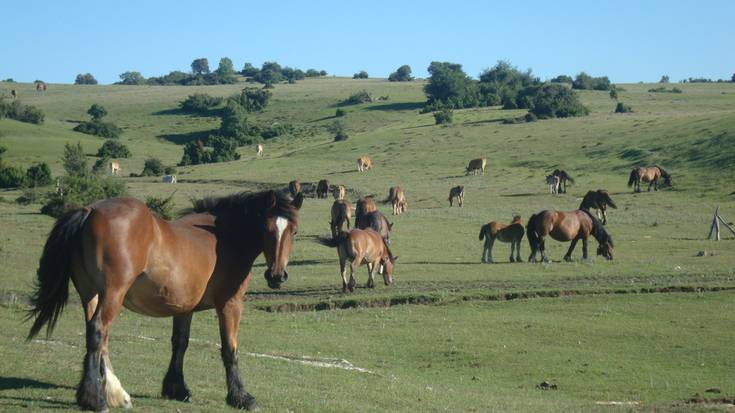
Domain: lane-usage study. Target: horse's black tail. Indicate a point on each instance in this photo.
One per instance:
(483, 229)
(607, 200)
(533, 238)
(633, 177)
(54, 271)
(332, 242)
(568, 177)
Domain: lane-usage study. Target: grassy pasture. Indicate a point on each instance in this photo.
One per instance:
(658, 349)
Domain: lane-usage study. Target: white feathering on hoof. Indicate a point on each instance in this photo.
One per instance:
(114, 392)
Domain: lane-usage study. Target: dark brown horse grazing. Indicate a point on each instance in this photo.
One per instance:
(567, 226)
(341, 214)
(512, 233)
(599, 200)
(322, 188)
(117, 253)
(650, 174)
(362, 246)
(563, 178)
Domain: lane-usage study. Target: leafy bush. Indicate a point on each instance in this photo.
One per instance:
(169, 170)
(152, 167)
(12, 177)
(269, 73)
(614, 93)
(74, 160)
(339, 131)
(235, 125)
(586, 82)
(113, 149)
(38, 175)
(101, 166)
(223, 150)
(22, 113)
(339, 113)
(357, 98)
(402, 74)
(622, 108)
(562, 79)
(360, 75)
(662, 89)
(450, 86)
(85, 79)
(555, 101)
(315, 73)
(502, 83)
(78, 191)
(276, 129)
(97, 112)
(131, 78)
(248, 70)
(199, 103)
(444, 116)
(530, 117)
(98, 128)
(163, 207)
(253, 99)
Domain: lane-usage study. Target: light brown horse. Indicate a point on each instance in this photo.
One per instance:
(397, 199)
(117, 253)
(456, 192)
(294, 187)
(599, 200)
(512, 233)
(114, 168)
(476, 165)
(341, 214)
(567, 226)
(339, 191)
(259, 150)
(364, 163)
(322, 188)
(362, 246)
(650, 174)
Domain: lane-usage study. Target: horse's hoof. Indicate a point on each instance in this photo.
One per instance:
(88, 398)
(175, 389)
(242, 400)
(568, 259)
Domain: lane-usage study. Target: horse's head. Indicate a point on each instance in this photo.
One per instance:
(606, 249)
(281, 225)
(386, 265)
(668, 181)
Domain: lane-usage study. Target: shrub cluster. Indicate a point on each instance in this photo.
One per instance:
(253, 99)
(272, 72)
(444, 116)
(360, 75)
(113, 149)
(23, 113)
(199, 103)
(77, 191)
(85, 79)
(222, 150)
(357, 98)
(623, 108)
(163, 207)
(402, 74)
(584, 81)
(662, 89)
(97, 126)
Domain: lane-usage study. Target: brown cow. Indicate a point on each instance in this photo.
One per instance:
(364, 163)
(476, 165)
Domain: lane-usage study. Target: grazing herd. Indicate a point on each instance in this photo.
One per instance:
(368, 241)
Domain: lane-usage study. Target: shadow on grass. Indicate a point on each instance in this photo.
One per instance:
(480, 122)
(397, 106)
(13, 383)
(184, 138)
(342, 172)
(324, 118)
(518, 195)
(181, 112)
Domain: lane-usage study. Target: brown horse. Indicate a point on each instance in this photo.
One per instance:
(341, 214)
(362, 246)
(377, 222)
(456, 192)
(118, 253)
(294, 187)
(476, 165)
(397, 198)
(512, 233)
(564, 177)
(567, 226)
(650, 174)
(599, 200)
(364, 206)
(322, 188)
(364, 163)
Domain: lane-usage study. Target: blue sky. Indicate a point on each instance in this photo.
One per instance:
(629, 41)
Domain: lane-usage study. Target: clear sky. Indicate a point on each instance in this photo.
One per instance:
(629, 41)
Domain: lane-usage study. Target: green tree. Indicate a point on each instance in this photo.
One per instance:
(113, 149)
(153, 167)
(269, 73)
(553, 100)
(450, 86)
(132, 78)
(38, 174)
(360, 75)
(225, 71)
(75, 163)
(200, 66)
(97, 112)
(85, 79)
(248, 70)
(254, 99)
(403, 74)
(613, 93)
(664, 79)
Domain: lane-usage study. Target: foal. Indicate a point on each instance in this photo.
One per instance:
(362, 246)
(512, 233)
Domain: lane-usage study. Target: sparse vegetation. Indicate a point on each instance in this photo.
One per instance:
(662, 89)
(97, 126)
(623, 108)
(444, 116)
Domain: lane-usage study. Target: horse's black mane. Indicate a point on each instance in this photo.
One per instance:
(663, 172)
(246, 206)
(598, 230)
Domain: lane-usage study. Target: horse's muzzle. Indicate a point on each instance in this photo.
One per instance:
(275, 281)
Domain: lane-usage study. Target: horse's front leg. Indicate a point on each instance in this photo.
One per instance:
(371, 268)
(229, 313)
(568, 256)
(489, 247)
(174, 386)
(584, 249)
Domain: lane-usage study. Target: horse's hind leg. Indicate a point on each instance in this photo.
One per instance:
(229, 313)
(174, 386)
(542, 248)
(371, 270)
(518, 250)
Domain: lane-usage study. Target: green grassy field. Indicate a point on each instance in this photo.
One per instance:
(474, 347)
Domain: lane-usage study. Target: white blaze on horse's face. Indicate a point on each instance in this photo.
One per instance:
(277, 249)
(281, 224)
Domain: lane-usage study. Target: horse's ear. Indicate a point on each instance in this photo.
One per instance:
(271, 200)
(390, 225)
(393, 259)
(298, 201)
